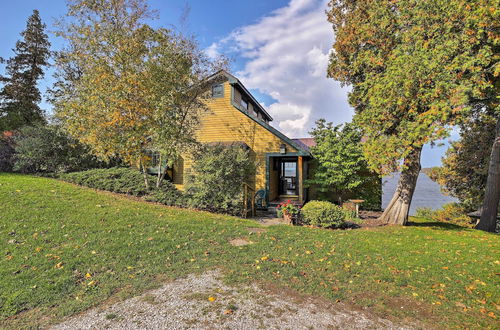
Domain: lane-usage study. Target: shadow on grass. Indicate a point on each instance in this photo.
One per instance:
(438, 225)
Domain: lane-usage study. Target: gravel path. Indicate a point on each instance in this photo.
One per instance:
(204, 302)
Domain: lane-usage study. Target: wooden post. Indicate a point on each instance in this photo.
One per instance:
(301, 178)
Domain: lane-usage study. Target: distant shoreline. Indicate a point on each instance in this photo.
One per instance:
(427, 193)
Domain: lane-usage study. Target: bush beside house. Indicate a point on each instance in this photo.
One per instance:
(116, 179)
(215, 183)
(217, 177)
(323, 214)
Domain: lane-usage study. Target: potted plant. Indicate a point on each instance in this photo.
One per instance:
(288, 210)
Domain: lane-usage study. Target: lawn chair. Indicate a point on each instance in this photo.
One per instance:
(261, 199)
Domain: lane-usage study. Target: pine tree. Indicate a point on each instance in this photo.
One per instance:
(20, 96)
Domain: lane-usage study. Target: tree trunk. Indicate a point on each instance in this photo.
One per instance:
(488, 221)
(160, 176)
(144, 174)
(396, 213)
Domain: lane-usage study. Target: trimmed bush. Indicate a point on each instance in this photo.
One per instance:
(169, 197)
(323, 214)
(116, 179)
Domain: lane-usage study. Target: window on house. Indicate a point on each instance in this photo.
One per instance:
(244, 104)
(218, 90)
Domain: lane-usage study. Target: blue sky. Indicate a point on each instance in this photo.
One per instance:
(279, 50)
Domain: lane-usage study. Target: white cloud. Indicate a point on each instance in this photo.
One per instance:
(286, 57)
(212, 51)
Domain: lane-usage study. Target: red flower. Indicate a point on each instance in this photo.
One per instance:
(288, 201)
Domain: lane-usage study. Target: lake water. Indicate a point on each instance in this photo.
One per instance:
(427, 193)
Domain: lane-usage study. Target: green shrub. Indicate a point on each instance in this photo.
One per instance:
(453, 213)
(323, 214)
(425, 212)
(216, 181)
(48, 149)
(169, 197)
(6, 154)
(116, 179)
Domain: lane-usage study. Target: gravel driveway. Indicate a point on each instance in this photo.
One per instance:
(204, 302)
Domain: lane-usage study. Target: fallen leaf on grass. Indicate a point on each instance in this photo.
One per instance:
(211, 299)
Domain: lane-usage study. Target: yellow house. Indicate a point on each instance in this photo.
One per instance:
(235, 117)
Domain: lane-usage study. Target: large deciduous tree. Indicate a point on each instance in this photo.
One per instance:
(126, 89)
(20, 96)
(415, 67)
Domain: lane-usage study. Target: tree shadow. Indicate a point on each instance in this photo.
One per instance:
(438, 225)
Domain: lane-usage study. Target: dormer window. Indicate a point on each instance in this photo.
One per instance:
(218, 90)
(244, 104)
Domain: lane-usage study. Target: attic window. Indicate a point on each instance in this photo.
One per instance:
(217, 90)
(244, 104)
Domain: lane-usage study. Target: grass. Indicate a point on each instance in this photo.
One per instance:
(66, 248)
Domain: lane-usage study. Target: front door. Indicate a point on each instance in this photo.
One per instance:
(288, 177)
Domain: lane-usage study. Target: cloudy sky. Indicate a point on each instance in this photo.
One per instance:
(284, 56)
(279, 50)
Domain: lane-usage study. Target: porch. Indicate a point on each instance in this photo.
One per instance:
(285, 176)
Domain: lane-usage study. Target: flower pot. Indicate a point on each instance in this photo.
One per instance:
(288, 218)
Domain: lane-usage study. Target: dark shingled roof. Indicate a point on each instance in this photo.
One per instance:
(305, 143)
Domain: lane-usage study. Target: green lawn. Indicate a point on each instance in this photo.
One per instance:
(66, 248)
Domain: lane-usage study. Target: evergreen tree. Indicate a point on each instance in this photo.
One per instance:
(464, 169)
(19, 97)
(416, 69)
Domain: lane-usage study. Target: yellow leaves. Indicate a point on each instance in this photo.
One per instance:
(88, 275)
(264, 258)
(52, 256)
(9, 257)
(38, 249)
(444, 268)
(59, 265)
(150, 238)
(92, 283)
(308, 252)
(212, 299)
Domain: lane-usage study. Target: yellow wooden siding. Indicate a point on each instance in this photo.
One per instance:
(225, 123)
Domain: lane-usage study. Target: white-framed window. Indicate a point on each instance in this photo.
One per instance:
(217, 90)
